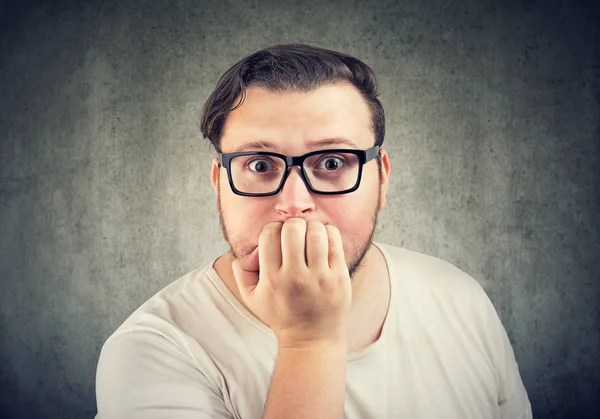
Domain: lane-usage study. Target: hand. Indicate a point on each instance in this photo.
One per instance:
(302, 290)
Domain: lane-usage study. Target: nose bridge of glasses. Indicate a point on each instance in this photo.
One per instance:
(292, 183)
(294, 161)
(291, 170)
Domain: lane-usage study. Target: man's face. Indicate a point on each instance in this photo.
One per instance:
(296, 123)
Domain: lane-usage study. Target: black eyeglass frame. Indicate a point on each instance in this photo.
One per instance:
(364, 156)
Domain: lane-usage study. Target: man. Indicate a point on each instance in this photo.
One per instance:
(306, 317)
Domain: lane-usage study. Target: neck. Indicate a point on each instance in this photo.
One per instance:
(370, 301)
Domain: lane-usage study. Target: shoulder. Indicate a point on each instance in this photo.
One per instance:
(429, 269)
(159, 323)
(420, 274)
(150, 367)
(153, 342)
(440, 293)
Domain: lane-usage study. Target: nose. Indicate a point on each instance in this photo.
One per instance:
(294, 199)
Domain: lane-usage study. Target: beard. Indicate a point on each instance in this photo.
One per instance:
(354, 265)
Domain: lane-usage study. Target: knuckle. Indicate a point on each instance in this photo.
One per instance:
(295, 285)
(327, 286)
(316, 238)
(316, 231)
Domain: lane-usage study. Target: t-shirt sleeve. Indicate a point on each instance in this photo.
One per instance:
(512, 395)
(142, 374)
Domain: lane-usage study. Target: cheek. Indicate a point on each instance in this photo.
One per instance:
(244, 216)
(353, 216)
(354, 211)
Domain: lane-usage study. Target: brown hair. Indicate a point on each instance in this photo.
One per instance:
(285, 67)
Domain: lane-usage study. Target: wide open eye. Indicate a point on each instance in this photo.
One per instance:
(331, 163)
(261, 165)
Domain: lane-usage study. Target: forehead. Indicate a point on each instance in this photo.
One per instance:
(290, 121)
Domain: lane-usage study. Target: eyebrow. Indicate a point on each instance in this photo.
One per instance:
(266, 145)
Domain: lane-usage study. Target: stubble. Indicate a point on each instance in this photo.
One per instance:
(354, 266)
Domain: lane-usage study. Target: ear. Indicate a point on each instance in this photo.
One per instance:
(385, 177)
(214, 174)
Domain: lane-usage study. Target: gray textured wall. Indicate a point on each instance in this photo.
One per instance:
(493, 131)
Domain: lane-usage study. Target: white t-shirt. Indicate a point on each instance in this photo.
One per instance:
(193, 351)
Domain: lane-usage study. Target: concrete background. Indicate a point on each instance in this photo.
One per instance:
(493, 131)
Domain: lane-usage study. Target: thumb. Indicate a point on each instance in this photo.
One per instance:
(245, 271)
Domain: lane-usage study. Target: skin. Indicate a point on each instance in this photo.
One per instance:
(293, 122)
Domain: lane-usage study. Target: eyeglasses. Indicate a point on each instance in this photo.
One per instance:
(325, 172)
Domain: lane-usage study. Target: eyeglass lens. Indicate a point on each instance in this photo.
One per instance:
(330, 172)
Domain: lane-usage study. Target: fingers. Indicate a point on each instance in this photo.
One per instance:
(249, 263)
(269, 245)
(336, 256)
(293, 234)
(298, 244)
(316, 245)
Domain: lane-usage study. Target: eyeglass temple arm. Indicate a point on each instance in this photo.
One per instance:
(371, 153)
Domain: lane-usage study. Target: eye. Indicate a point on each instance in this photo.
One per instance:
(260, 165)
(331, 163)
